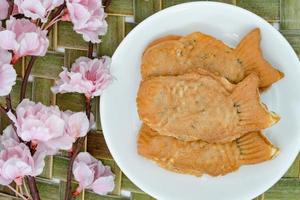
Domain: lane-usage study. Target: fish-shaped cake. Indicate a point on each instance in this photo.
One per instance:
(176, 55)
(198, 157)
(202, 106)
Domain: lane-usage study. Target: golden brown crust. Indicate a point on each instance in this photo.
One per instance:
(251, 55)
(173, 57)
(199, 157)
(163, 39)
(199, 105)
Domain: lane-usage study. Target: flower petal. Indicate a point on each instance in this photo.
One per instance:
(103, 185)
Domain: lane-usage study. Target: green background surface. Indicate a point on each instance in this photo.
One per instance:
(283, 13)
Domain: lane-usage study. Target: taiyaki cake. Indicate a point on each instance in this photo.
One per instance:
(198, 157)
(176, 55)
(202, 106)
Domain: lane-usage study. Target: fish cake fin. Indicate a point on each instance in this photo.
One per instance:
(251, 57)
(255, 148)
(253, 114)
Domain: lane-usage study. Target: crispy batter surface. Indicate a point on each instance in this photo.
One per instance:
(202, 106)
(198, 157)
(175, 55)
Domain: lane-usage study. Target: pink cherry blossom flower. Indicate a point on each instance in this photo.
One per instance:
(7, 73)
(88, 18)
(15, 10)
(3, 9)
(9, 138)
(91, 174)
(77, 124)
(5, 56)
(24, 38)
(37, 9)
(87, 76)
(17, 162)
(41, 125)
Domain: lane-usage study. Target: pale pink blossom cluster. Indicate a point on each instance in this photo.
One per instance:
(3, 9)
(37, 9)
(7, 73)
(91, 174)
(16, 160)
(23, 38)
(87, 76)
(36, 130)
(88, 18)
(48, 128)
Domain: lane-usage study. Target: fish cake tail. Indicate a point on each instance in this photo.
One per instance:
(251, 58)
(253, 114)
(254, 148)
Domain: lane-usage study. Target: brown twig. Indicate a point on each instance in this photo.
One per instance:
(10, 8)
(3, 110)
(58, 11)
(76, 150)
(26, 76)
(8, 102)
(55, 15)
(88, 107)
(33, 188)
(90, 51)
(106, 3)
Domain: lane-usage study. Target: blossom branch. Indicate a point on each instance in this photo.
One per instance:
(31, 180)
(56, 17)
(78, 145)
(106, 3)
(76, 150)
(90, 51)
(8, 102)
(10, 8)
(2, 110)
(33, 188)
(26, 76)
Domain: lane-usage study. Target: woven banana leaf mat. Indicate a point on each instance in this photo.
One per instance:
(123, 16)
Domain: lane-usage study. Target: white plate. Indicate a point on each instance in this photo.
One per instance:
(120, 121)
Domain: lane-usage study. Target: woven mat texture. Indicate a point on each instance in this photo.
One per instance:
(66, 46)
